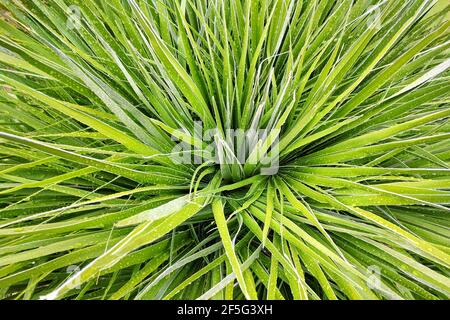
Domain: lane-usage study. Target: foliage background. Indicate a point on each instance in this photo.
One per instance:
(93, 207)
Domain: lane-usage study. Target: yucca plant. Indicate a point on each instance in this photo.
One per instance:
(224, 149)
